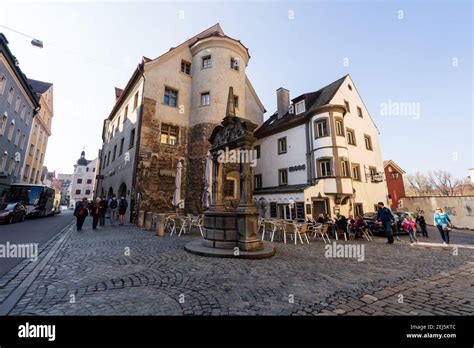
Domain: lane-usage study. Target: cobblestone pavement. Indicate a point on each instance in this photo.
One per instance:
(92, 274)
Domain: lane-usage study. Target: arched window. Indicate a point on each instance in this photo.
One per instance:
(10, 95)
(17, 104)
(11, 130)
(3, 161)
(23, 112)
(17, 137)
(3, 123)
(3, 83)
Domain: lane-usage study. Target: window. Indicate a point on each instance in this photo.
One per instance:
(10, 95)
(169, 134)
(3, 123)
(3, 161)
(41, 158)
(236, 101)
(108, 158)
(132, 138)
(32, 150)
(368, 142)
(17, 104)
(282, 177)
(394, 175)
(205, 99)
(339, 128)
(321, 128)
(234, 64)
(121, 146)
(257, 181)
(125, 114)
(11, 168)
(22, 144)
(257, 150)
(23, 112)
(135, 101)
(88, 192)
(229, 188)
(3, 83)
(351, 140)
(344, 168)
(373, 173)
(17, 137)
(349, 86)
(11, 130)
(186, 67)
(358, 209)
(115, 152)
(206, 62)
(28, 118)
(78, 192)
(300, 107)
(282, 145)
(27, 170)
(359, 112)
(324, 167)
(79, 181)
(89, 181)
(105, 161)
(355, 171)
(37, 154)
(348, 108)
(171, 97)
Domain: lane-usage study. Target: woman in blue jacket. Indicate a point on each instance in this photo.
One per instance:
(442, 222)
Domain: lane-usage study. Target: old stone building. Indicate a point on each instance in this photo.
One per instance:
(166, 114)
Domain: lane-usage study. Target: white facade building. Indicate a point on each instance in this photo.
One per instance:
(319, 154)
(83, 179)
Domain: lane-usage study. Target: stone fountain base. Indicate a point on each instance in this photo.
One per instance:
(198, 248)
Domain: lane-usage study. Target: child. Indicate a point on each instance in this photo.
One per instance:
(409, 226)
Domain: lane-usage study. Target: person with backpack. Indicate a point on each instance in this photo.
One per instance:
(385, 216)
(113, 205)
(409, 227)
(123, 205)
(81, 213)
(443, 223)
(420, 220)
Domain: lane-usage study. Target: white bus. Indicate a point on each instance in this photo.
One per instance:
(38, 199)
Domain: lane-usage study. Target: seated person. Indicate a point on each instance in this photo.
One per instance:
(359, 224)
(320, 219)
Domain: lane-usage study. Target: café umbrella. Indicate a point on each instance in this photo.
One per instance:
(206, 195)
(177, 191)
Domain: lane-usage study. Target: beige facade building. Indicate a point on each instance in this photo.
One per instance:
(166, 114)
(39, 134)
(319, 153)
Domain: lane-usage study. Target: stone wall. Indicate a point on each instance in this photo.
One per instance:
(459, 208)
(156, 170)
(198, 147)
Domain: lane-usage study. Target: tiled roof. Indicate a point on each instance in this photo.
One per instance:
(39, 87)
(313, 100)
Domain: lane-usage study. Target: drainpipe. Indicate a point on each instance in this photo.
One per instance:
(137, 149)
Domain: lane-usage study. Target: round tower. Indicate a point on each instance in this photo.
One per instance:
(218, 63)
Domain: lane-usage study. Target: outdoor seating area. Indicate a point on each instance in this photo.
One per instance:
(177, 224)
(280, 230)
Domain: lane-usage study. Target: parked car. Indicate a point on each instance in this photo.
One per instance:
(376, 228)
(12, 212)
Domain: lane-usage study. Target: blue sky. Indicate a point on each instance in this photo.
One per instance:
(91, 47)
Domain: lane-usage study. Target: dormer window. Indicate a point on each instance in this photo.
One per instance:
(300, 107)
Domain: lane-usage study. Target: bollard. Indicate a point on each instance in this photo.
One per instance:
(160, 225)
(148, 220)
(141, 218)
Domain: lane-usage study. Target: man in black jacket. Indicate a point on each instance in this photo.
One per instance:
(81, 213)
(386, 217)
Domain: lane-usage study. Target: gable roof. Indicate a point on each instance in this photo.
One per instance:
(313, 101)
(39, 87)
(118, 93)
(394, 165)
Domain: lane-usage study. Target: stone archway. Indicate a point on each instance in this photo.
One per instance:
(110, 193)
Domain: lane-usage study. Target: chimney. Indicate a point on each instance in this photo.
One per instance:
(283, 101)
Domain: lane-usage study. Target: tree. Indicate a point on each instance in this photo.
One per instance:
(443, 182)
(419, 184)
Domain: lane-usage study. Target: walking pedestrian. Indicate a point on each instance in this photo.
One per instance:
(103, 210)
(409, 227)
(443, 223)
(385, 216)
(81, 213)
(113, 205)
(96, 212)
(420, 220)
(123, 205)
